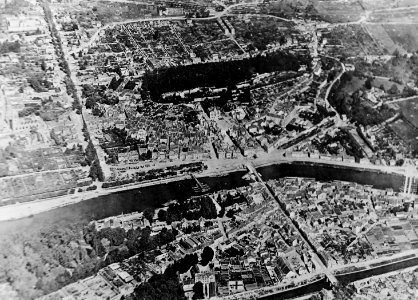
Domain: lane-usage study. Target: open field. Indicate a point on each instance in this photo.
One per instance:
(355, 39)
(407, 15)
(378, 81)
(379, 33)
(410, 110)
(404, 35)
(105, 11)
(385, 4)
(407, 127)
(406, 132)
(336, 11)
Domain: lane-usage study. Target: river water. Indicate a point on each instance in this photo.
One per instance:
(378, 180)
(156, 196)
(118, 203)
(304, 290)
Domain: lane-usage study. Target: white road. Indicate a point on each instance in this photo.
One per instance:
(402, 99)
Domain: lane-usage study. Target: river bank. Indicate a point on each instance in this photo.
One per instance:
(29, 209)
(108, 202)
(326, 172)
(300, 168)
(309, 288)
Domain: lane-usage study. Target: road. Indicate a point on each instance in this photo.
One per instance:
(339, 121)
(402, 99)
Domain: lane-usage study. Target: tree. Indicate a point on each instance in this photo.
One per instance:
(368, 83)
(164, 237)
(43, 65)
(396, 53)
(91, 102)
(7, 46)
(90, 152)
(198, 290)
(96, 171)
(207, 208)
(149, 214)
(230, 213)
(393, 89)
(174, 212)
(343, 292)
(221, 212)
(409, 92)
(162, 215)
(159, 287)
(116, 236)
(207, 256)
(182, 265)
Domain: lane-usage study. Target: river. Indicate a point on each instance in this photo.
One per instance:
(155, 196)
(346, 278)
(297, 292)
(324, 172)
(118, 203)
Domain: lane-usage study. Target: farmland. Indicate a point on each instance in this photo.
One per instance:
(340, 12)
(379, 33)
(404, 35)
(407, 126)
(385, 4)
(356, 41)
(406, 132)
(402, 16)
(410, 110)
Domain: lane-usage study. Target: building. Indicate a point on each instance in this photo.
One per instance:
(209, 283)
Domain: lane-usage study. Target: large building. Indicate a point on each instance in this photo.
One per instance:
(209, 283)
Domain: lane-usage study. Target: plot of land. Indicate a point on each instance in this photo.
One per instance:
(407, 127)
(401, 16)
(378, 81)
(355, 41)
(404, 35)
(410, 110)
(379, 33)
(386, 4)
(336, 11)
(406, 132)
(105, 11)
